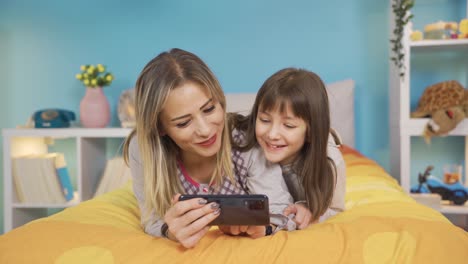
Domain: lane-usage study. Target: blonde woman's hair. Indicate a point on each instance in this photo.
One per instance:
(162, 74)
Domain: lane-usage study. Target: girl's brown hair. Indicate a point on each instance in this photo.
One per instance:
(306, 94)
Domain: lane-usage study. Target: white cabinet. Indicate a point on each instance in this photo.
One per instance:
(402, 126)
(89, 154)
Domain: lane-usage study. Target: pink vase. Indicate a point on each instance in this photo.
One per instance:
(94, 108)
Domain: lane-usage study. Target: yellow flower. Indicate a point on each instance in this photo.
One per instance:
(94, 75)
(101, 68)
(91, 69)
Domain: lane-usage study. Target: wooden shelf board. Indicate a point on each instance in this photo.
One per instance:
(440, 44)
(111, 132)
(415, 127)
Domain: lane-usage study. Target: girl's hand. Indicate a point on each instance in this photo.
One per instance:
(302, 216)
(251, 231)
(188, 220)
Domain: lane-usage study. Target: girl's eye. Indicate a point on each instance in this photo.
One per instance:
(184, 124)
(289, 126)
(263, 120)
(210, 109)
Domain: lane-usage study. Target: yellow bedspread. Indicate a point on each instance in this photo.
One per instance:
(381, 225)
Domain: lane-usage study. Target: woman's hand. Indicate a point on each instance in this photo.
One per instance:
(188, 220)
(302, 217)
(251, 231)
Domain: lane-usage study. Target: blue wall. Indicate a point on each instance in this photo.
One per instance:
(43, 43)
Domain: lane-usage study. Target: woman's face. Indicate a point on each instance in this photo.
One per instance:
(193, 120)
(281, 135)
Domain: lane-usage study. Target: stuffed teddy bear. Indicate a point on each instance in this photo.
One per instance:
(446, 104)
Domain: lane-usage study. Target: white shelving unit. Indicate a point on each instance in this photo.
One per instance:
(91, 160)
(402, 127)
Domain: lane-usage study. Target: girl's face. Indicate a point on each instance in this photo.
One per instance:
(281, 135)
(193, 120)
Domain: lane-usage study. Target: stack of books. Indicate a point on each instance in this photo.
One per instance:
(116, 174)
(42, 178)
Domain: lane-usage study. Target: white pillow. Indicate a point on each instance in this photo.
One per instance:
(341, 99)
(240, 102)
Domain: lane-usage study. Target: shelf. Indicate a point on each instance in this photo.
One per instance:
(44, 205)
(73, 202)
(90, 147)
(453, 209)
(442, 44)
(415, 127)
(114, 132)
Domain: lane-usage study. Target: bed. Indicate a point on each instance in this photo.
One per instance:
(381, 224)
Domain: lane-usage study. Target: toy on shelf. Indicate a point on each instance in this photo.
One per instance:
(442, 30)
(455, 192)
(463, 28)
(446, 104)
(416, 35)
(452, 173)
(126, 108)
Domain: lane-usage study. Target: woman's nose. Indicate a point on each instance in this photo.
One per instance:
(203, 128)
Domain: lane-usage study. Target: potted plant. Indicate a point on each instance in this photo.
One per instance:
(94, 107)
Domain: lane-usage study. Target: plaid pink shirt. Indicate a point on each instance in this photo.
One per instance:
(239, 186)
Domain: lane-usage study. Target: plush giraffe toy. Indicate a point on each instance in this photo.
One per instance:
(446, 104)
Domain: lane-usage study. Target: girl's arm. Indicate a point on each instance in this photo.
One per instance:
(338, 200)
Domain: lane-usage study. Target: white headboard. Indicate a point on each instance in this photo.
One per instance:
(340, 95)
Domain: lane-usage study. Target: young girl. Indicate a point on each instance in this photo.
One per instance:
(181, 145)
(290, 121)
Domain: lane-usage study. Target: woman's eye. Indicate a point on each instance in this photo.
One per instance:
(183, 124)
(210, 109)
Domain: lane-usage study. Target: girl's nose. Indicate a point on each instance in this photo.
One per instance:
(273, 133)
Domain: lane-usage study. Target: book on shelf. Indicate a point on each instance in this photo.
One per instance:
(116, 174)
(42, 178)
(64, 176)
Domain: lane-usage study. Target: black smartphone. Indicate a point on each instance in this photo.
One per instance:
(237, 209)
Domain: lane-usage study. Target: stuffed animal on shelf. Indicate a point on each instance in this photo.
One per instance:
(446, 104)
(126, 108)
